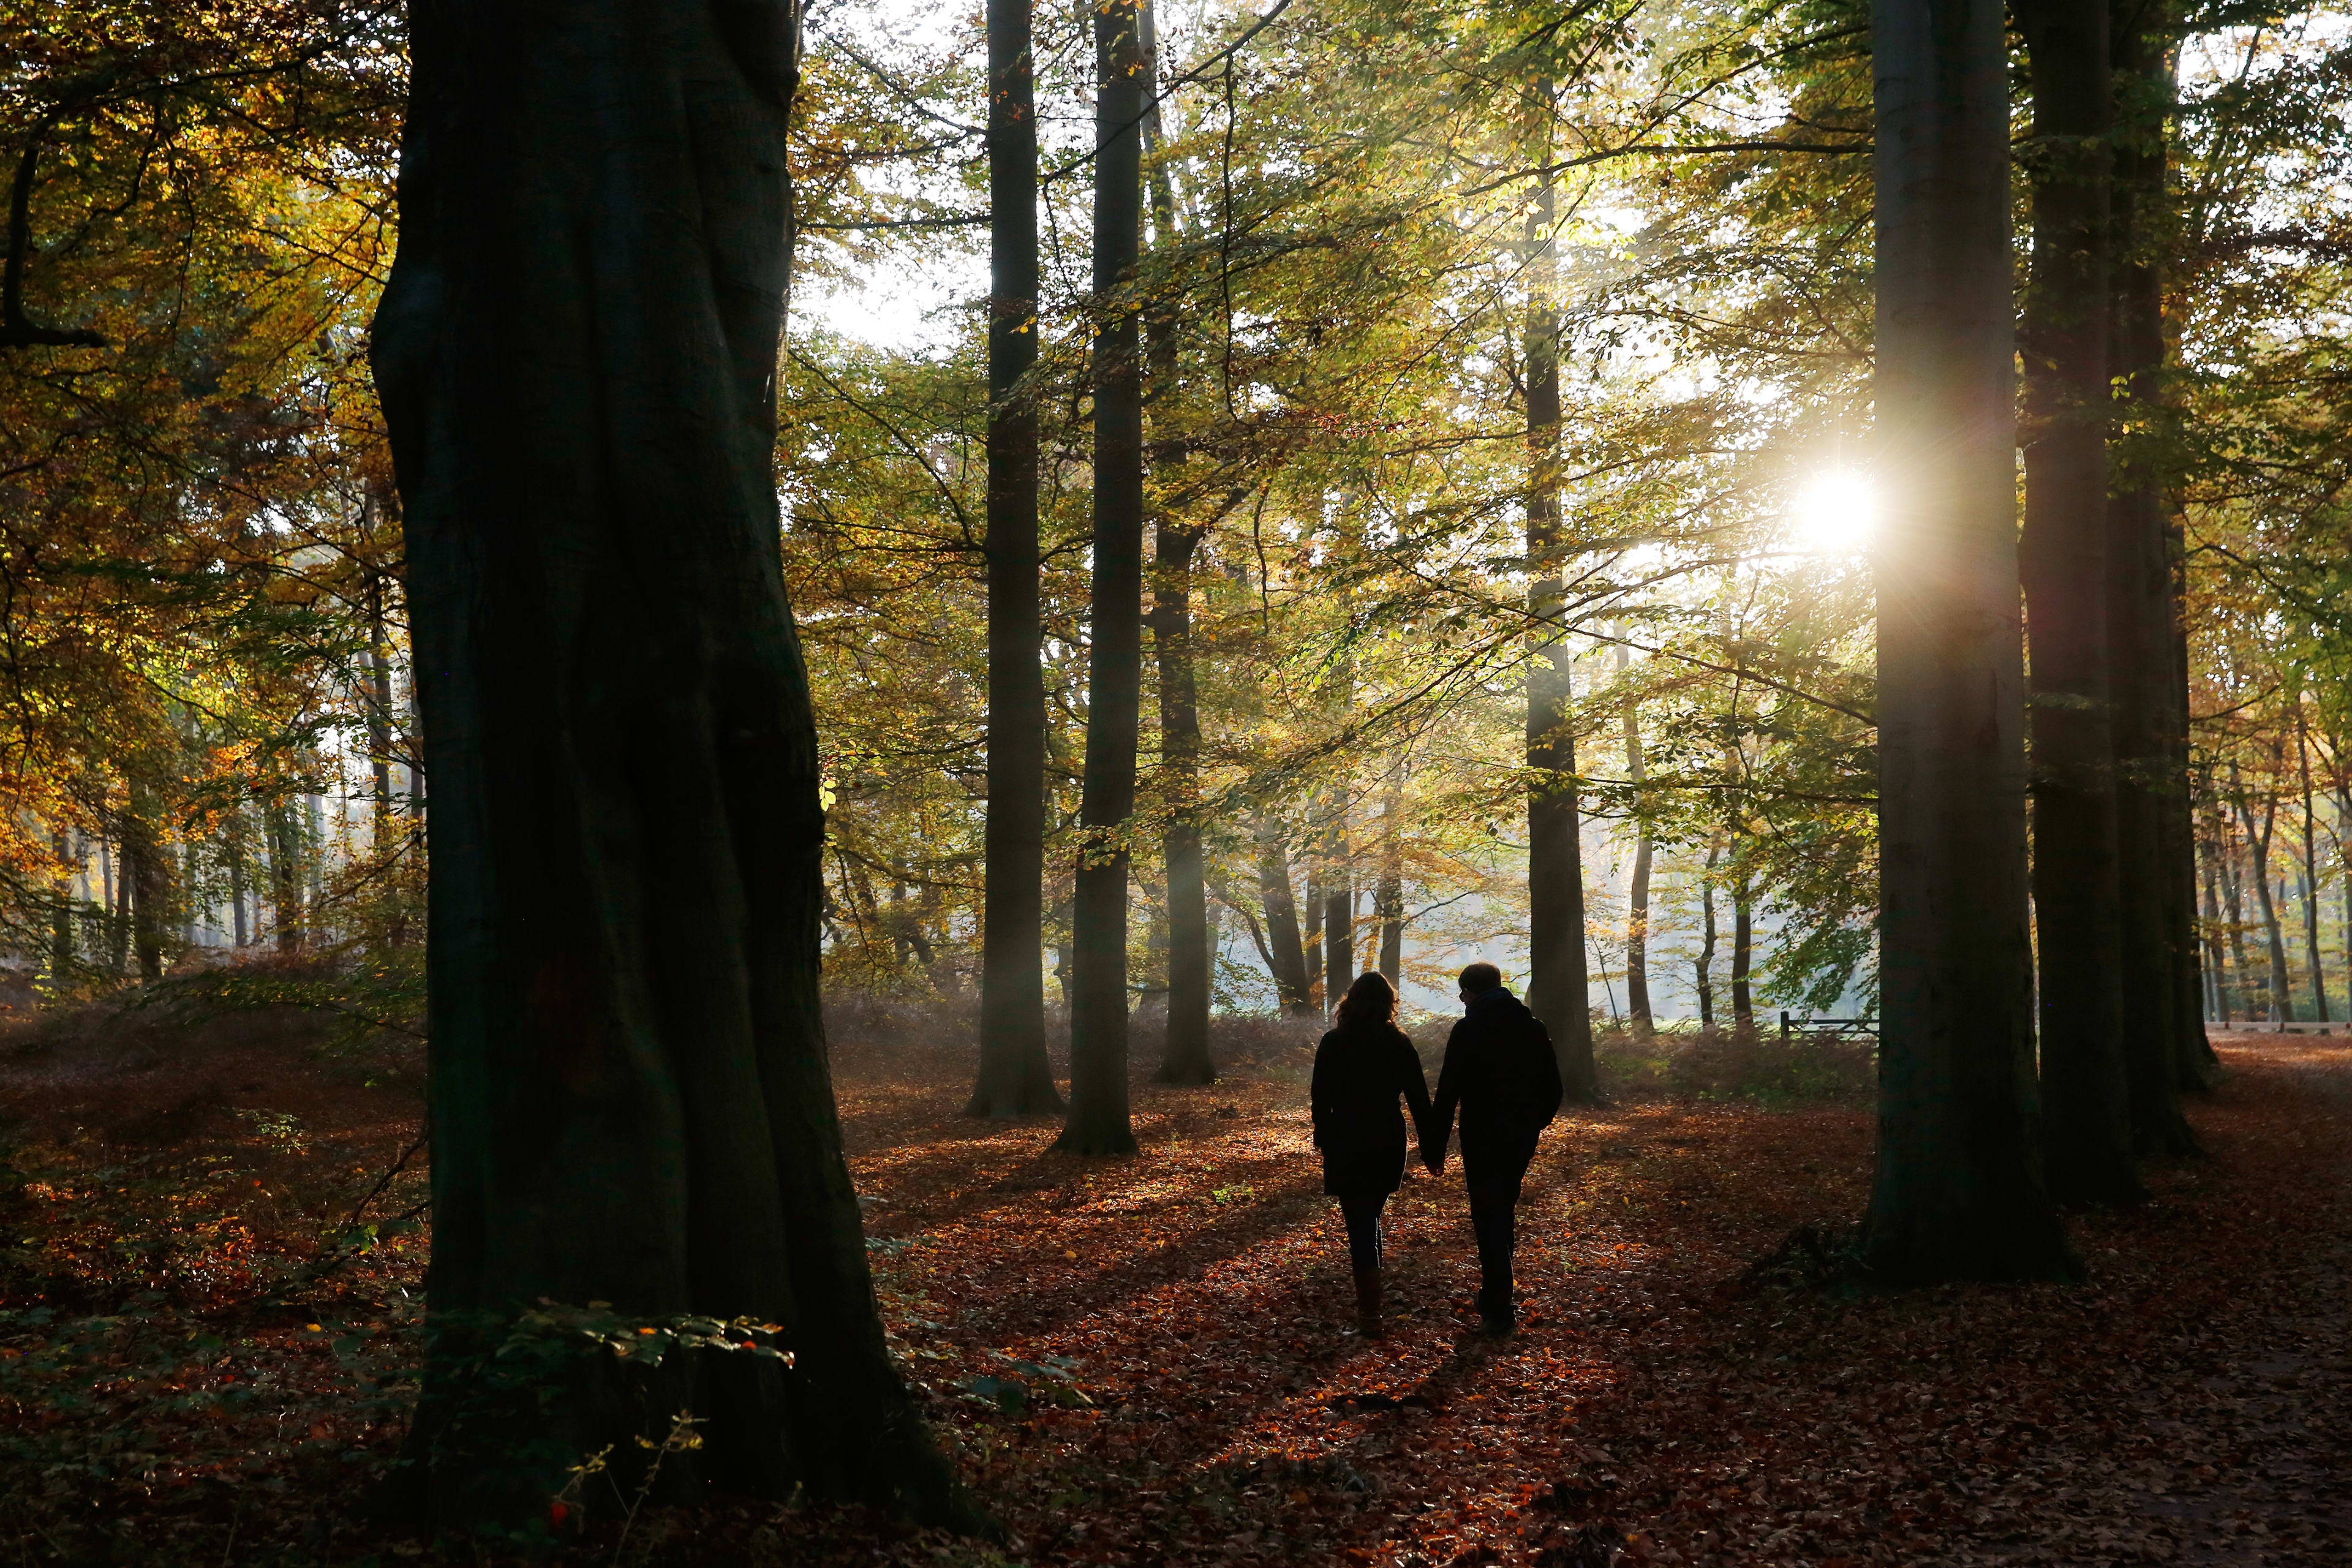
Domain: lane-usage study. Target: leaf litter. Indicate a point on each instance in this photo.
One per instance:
(1146, 1361)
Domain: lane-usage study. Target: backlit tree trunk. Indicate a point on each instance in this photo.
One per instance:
(2141, 624)
(631, 1099)
(2310, 875)
(1015, 1078)
(1098, 1121)
(1959, 1193)
(1637, 902)
(1558, 984)
(2087, 1130)
(1387, 897)
(1287, 953)
(2281, 994)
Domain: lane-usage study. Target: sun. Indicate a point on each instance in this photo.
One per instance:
(1835, 512)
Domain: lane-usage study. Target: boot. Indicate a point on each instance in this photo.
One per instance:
(1368, 1302)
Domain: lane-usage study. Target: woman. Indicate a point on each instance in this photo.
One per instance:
(1361, 1068)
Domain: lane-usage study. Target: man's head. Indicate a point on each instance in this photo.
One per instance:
(1479, 979)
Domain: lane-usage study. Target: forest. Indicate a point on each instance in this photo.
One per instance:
(702, 703)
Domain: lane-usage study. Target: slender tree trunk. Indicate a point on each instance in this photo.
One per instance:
(147, 879)
(1557, 983)
(1191, 952)
(2086, 1126)
(631, 1099)
(1704, 963)
(1743, 940)
(1959, 1193)
(2224, 1003)
(1339, 904)
(2235, 895)
(236, 851)
(2310, 874)
(1286, 953)
(1098, 1121)
(1637, 909)
(2258, 845)
(1389, 896)
(2196, 1066)
(1015, 1078)
(61, 942)
(2151, 920)
(1310, 949)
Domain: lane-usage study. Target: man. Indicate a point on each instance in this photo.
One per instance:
(1500, 1070)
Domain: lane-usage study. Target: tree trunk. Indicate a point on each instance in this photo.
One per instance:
(237, 875)
(285, 875)
(2310, 874)
(1286, 953)
(2086, 1126)
(2281, 997)
(1098, 1121)
(1310, 941)
(61, 942)
(1743, 940)
(1338, 905)
(1704, 964)
(2140, 616)
(2217, 972)
(1637, 904)
(147, 879)
(631, 1099)
(2235, 896)
(1959, 1193)
(1190, 953)
(1015, 1078)
(1388, 898)
(1558, 982)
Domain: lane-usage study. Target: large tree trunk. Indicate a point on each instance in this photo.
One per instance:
(1557, 983)
(2140, 615)
(1286, 953)
(632, 1109)
(1959, 1193)
(1098, 1121)
(2086, 1128)
(1637, 903)
(285, 874)
(1015, 1078)
(1191, 952)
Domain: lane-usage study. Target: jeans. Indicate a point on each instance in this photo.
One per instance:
(1493, 1177)
(1362, 1214)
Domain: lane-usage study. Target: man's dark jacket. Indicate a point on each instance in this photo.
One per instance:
(1500, 1070)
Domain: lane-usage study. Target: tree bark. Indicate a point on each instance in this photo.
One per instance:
(1286, 954)
(2217, 972)
(2141, 624)
(1387, 897)
(2235, 897)
(2086, 1125)
(1015, 1078)
(1637, 910)
(2310, 872)
(1743, 942)
(1704, 964)
(1959, 1193)
(1558, 980)
(1339, 904)
(1191, 950)
(2281, 993)
(235, 850)
(1098, 1121)
(630, 1093)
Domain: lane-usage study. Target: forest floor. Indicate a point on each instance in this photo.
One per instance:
(1145, 1360)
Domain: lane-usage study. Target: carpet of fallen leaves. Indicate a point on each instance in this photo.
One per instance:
(1145, 1360)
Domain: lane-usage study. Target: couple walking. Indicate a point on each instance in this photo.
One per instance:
(1499, 1072)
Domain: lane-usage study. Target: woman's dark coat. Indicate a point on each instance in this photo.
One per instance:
(1361, 1069)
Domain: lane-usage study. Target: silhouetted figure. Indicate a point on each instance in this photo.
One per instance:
(1361, 1069)
(1500, 1070)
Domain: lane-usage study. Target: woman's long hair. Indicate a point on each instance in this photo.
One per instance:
(1370, 1000)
